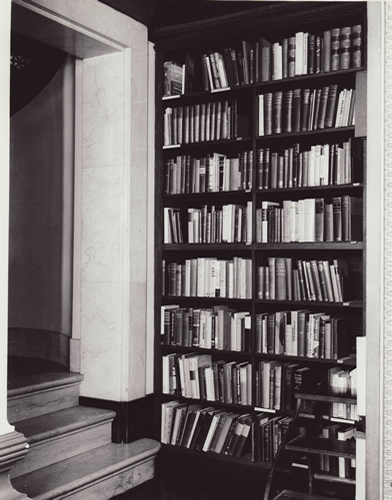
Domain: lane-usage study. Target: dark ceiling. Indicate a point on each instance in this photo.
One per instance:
(161, 13)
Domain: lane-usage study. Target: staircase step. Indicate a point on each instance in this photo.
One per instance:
(297, 495)
(37, 394)
(62, 434)
(99, 474)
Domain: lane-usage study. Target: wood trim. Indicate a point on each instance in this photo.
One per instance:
(285, 14)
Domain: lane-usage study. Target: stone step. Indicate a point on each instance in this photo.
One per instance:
(99, 474)
(62, 434)
(37, 394)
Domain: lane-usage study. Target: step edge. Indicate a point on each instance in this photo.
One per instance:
(102, 416)
(41, 386)
(89, 481)
(46, 437)
(109, 471)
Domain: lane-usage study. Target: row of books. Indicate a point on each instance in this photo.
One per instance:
(277, 383)
(218, 327)
(205, 428)
(302, 110)
(310, 220)
(301, 54)
(338, 466)
(193, 375)
(211, 121)
(208, 277)
(307, 54)
(344, 383)
(212, 173)
(307, 280)
(178, 78)
(268, 432)
(230, 224)
(321, 165)
(302, 333)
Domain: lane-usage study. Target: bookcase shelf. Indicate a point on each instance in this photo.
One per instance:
(243, 461)
(209, 144)
(326, 397)
(306, 359)
(317, 446)
(353, 304)
(185, 185)
(294, 135)
(332, 75)
(235, 247)
(218, 352)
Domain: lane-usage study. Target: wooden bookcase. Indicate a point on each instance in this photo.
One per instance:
(274, 22)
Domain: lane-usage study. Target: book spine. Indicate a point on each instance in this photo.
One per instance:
(297, 110)
(357, 46)
(311, 54)
(335, 46)
(305, 110)
(345, 48)
(326, 53)
(291, 57)
(277, 112)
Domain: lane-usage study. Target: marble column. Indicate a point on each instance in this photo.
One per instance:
(13, 445)
(113, 224)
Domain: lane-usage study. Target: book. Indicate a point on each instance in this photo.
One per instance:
(227, 424)
(291, 57)
(326, 53)
(189, 423)
(323, 107)
(331, 106)
(357, 46)
(265, 59)
(352, 215)
(335, 49)
(345, 48)
(167, 413)
(296, 116)
(189, 74)
(173, 78)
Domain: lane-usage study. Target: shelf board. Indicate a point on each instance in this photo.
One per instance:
(313, 445)
(262, 192)
(233, 406)
(323, 476)
(326, 397)
(329, 187)
(336, 246)
(245, 460)
(216, 247)
(210, 194)
(261, 85)
(319, 246)
(305, 359)
(353, 304)
(221, 142)
(223, 352)
(320, 131)
(206, 300)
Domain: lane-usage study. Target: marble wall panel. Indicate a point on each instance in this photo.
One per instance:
(101, 224)
(103, 111)
(137, 341)
(102, 341)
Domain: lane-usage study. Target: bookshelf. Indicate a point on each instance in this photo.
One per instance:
(243, 272)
